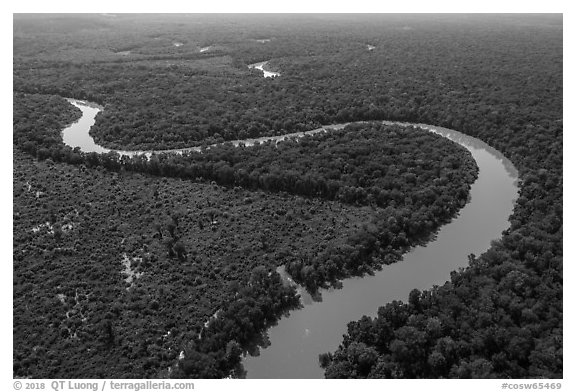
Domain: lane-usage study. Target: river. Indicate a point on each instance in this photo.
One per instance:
(297, 340)
(260, 66)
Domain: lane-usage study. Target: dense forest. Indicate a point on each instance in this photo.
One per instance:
(184, 101)
(195, 238)
(96, 291)
(498, 79)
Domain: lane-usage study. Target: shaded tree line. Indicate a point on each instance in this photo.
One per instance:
(216, 351)
(488, 321)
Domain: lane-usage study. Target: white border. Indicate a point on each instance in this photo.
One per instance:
(296, 6)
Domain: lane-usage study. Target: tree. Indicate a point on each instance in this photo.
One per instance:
(325, 359)
(198, 365)
(58, 233)
(180, 251)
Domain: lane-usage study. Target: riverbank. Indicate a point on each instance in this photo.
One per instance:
(462, 139)
(250, 372)
(298, 339)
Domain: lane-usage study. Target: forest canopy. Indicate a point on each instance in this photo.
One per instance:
(496, 78)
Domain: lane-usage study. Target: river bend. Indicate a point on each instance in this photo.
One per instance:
(297, 340)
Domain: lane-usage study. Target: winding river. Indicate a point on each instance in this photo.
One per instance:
(297, 340)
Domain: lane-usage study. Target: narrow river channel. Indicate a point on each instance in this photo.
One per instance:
(297, 340)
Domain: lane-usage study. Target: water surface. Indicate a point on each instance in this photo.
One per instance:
(260, 66)
(298, 339)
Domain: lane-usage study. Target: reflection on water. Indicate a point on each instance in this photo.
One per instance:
(260, 66)
(317, 327)
(77, 134)
(290, 349)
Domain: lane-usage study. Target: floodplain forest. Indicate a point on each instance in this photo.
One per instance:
(167, 265)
